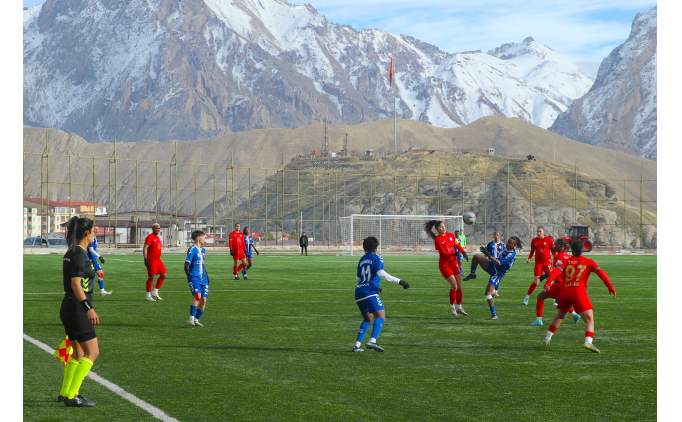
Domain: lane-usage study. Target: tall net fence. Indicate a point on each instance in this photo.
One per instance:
(511, 196)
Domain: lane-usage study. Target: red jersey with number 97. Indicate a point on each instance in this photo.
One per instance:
(577, 270)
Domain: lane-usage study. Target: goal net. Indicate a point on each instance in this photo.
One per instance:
(395, 232)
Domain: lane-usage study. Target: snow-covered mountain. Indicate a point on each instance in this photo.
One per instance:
(619, 111)
(164, 69)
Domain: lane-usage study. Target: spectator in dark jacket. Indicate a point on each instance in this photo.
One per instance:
(303, 243)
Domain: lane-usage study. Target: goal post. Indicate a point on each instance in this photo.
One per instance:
(399, 233)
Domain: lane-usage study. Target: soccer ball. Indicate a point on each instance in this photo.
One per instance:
(469, 217)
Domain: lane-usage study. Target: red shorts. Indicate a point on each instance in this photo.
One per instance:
(575, 297)
(542, 267)
(239, 257)
(553, 290)
(155, 267)
(448, 268)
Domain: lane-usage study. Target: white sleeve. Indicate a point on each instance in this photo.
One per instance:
(93, 251)
(386, 276)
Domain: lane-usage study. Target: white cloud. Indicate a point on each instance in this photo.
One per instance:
(586, 30)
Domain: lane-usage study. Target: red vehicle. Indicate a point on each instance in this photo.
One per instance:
(580, 232)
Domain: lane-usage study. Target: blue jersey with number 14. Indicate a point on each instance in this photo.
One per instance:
(368, 281)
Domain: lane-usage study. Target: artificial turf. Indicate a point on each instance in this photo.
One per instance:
(277, 347)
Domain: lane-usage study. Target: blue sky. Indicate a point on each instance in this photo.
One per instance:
(586, 30)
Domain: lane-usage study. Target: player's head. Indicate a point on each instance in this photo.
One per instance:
(198, 236)
(237, 226)
(370, 244)
(541, 231)
(517, 244)
(561, 245)
(79, 228)
(156, 228)
(246, 231)
(577, 247)
(511, 244)
(497, 236)
(457, 232)
(431, 224)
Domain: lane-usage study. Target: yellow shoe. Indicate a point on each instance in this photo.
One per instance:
(591, 347)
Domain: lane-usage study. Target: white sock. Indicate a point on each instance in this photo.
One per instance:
(156, 292)
(549, 335)
(527, 297)
(372, 340)
(539, 318)
(588, 340)
(358, 344)
(458, 306)
(149, 294)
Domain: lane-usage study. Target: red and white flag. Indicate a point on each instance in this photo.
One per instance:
(391, 71)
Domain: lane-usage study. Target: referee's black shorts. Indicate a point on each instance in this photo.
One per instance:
(75, 320)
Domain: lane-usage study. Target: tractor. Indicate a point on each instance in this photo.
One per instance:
(580, 232)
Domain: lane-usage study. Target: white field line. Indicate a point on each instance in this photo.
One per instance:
(152, 410)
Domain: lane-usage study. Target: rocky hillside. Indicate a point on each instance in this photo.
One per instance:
(538, 193)
(619, 111)
(172, 69)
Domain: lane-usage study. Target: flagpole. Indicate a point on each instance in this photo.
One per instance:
(395, 125)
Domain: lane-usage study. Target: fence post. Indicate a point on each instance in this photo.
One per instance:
(115, 196)
(45, 181)
(625, 243)
(506, 209)
(641, 209)
(94, 198)
(156, 189)
(137, 207)
(575, 196)
(265, 190)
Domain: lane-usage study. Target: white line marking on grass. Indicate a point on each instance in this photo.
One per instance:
(152, 410)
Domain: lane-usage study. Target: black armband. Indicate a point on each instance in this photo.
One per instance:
(86, 305)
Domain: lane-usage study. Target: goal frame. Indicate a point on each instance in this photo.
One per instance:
(352, 218)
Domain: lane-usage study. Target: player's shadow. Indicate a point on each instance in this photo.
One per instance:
(255, 348)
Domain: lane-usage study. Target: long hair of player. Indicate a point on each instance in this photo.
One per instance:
(429, 225)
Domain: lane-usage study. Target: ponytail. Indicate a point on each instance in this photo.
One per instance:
(76, 228)
(428, 227)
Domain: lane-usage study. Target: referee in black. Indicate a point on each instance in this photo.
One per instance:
(77, 314)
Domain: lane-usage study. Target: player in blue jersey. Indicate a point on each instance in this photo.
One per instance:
(250, 247)
(493, 248)
(498, 266)
(197, 277)
(369, 274)
(96, 260)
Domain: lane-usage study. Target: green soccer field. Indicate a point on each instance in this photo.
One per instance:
(277, 347)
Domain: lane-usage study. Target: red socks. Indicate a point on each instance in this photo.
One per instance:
(539, 307)
(458, 297)
(589, 334)
(150, 279)
(552, 329)
(531, 288)
(159, 282)
(453, 296)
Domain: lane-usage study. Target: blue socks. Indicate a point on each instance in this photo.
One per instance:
(364, 326)
(199, 313)
(100, 281)
(376, 328)
(493, 311)
(193, 311)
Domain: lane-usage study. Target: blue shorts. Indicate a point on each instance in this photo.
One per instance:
(370, 304)
(495, 281)
(198, 286)
(249, 255)
(95, 263)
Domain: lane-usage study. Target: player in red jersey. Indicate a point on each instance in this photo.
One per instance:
(573, 293)
(237, 250)
(152, 260)
(542, 247)
(553, 283)
(447, 244)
